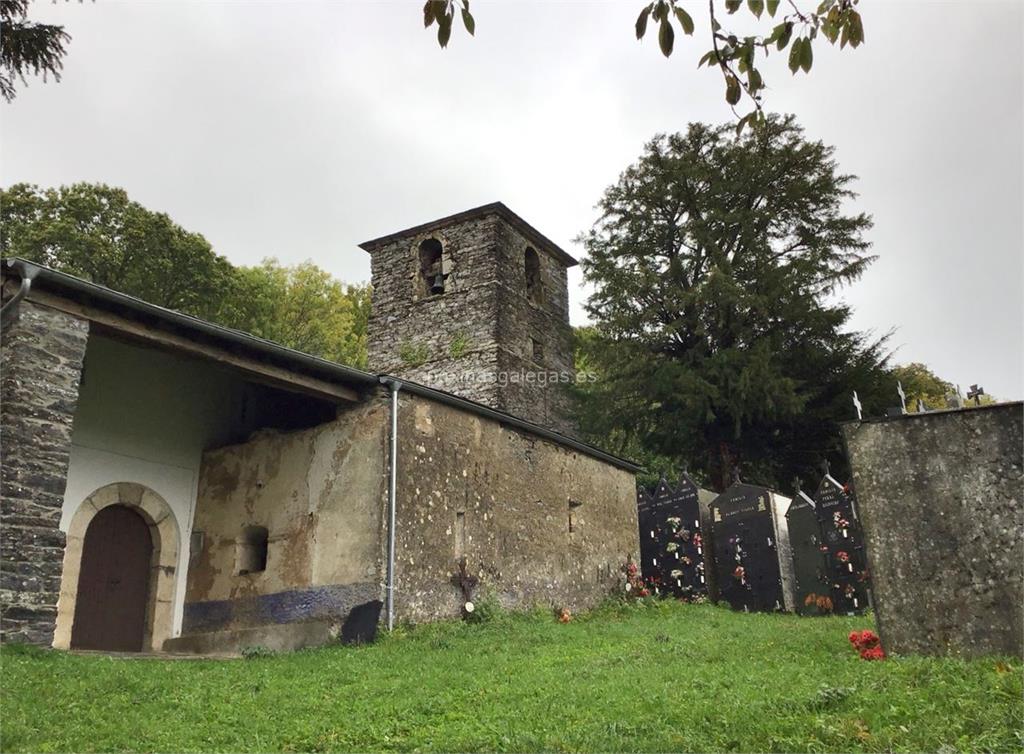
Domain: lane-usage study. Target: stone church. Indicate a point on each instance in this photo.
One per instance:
(169, 484)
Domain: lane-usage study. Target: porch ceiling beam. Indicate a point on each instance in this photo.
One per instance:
(258, 371)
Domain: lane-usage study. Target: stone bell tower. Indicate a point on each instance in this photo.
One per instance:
(476, 304)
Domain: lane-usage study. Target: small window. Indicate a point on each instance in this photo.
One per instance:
(460, 535)
(537, 350)
(573, 522)
(531, 263)
(431, 267)
(252, 550)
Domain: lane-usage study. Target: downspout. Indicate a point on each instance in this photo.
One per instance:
(395, 386)
(26, 285)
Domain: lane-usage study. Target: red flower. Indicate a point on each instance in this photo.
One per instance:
(644, 592)
(874, 653)
(843, 556)
(866, 642)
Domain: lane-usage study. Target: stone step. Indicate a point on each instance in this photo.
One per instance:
(284, 637)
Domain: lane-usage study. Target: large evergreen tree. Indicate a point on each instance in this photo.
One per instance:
(719, 341)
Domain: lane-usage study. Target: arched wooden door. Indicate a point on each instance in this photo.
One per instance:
(113, 583)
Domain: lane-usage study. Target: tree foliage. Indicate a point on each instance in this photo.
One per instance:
(719, 341)
(735, 55)
(921, 383)
(27, 47)
(301, 307)
(98, 233)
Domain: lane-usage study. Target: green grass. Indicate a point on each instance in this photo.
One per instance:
(660, 677)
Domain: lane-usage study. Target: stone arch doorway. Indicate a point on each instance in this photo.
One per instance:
(124, 533)
(113, 582)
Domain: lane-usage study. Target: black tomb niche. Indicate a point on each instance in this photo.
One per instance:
(843, 547)
(746, 553)
(812, 590)
(671, 541)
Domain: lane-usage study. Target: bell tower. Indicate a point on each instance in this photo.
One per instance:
(476, 304)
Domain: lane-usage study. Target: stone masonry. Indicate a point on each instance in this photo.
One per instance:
(539, 524)
(491, 336)
(42, 353)
(940, 499)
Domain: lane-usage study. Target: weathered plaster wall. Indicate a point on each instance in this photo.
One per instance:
(514, 492)
(146, 416)
(320, 494)
(41, 356)
(940, 499)
(476, 339)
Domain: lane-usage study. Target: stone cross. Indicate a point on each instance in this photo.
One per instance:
(856, 405)
(921, 408)
(975, 394)
(903, 397)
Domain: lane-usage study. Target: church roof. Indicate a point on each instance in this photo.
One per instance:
(494, 208)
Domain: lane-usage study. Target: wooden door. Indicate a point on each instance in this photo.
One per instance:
(113, 583)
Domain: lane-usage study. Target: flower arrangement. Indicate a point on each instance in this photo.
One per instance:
(843, 556)
(821, 601)
(867, 644)
(564, 616)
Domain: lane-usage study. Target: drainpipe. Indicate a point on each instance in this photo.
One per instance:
(26, 285)
(395, 386)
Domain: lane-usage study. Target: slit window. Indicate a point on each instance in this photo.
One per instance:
(431, 267)
(251, 556)
(460, 535)
(531, 264)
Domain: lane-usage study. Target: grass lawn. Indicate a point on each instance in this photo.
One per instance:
(659, 677)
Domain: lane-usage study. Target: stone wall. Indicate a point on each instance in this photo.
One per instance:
(940, 499)
(468, 486)
(477, 339)
(320, 494)
(41, 363)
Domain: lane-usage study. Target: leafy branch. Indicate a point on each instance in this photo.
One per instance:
(27, 47)
(735, 56)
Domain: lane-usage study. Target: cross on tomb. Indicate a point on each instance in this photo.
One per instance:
(975, 394)
(903, 397)
(856, 405)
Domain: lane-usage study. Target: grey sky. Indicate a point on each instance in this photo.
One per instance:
(297, 130)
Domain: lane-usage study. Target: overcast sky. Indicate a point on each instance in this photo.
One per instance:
(299, 129)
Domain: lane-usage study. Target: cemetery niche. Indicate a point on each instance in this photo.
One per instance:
(843, 547)
(747, 567)
(672, 548)
(812, 587)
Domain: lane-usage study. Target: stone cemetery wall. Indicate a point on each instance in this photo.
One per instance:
(940, 499)
(672, 546)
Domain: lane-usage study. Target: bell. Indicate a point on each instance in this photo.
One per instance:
(438, 285)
